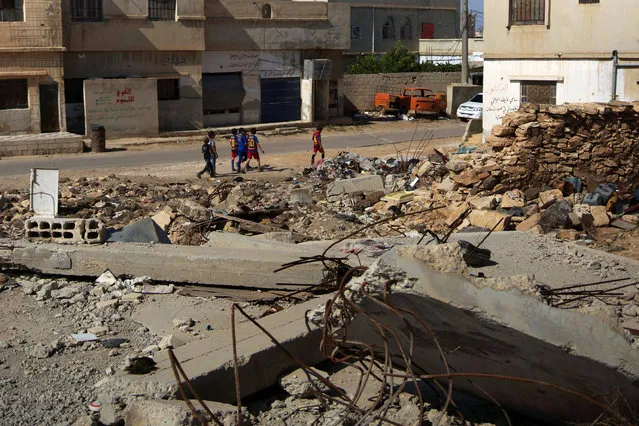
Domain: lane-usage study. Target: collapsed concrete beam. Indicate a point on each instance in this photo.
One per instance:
(498, 329)
(224, 265)
(209, 362)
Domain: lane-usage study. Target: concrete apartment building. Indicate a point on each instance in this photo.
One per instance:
(547, 52)
(139, 67)
(376, 26)
(31, 84)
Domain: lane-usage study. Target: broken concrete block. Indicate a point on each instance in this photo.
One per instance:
(555, 216)
(162, 219)
(41, 351)
(457, 213)
(468, 177)
(447, 185)
(170, 341)
(581, 209)
(600, 215)
(349, 186)
(514, 198)
(488, 219)
(298, 383)
(132, 297)
(483, 203)
(529, 223)
(182, 322)
(547, 197)
(456, 166)
(301, 196)
(107, 303)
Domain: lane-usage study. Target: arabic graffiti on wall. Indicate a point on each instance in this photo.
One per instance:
(501, 105)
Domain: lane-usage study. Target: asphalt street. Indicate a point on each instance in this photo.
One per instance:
(190, 152)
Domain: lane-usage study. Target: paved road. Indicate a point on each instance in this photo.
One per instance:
(188, 153)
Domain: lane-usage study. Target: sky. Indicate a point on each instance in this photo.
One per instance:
(476, 5)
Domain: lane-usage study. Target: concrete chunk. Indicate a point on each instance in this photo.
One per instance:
(349, 186)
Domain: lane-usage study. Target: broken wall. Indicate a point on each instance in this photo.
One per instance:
(545, 144)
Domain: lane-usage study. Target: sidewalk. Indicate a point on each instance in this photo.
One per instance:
(191, 136)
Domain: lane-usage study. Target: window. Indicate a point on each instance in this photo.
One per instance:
(406, 30)
(267, 12)
(388, 31)
(428, 31)
(588, 1)
(74, 90)
(168, 89)
(479, 98)
(14, 94)
(527, 12)
(356, 33)
(162, 10)
(86, 10)
(11, 10)
(539, 92)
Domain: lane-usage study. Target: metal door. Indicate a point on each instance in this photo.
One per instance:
(281, 100)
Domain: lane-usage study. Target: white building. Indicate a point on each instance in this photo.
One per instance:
(540, 51)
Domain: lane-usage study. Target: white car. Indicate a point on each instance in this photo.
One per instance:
(472, 109)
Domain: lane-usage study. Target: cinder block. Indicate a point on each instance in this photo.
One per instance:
(59, 230)
(94, 231)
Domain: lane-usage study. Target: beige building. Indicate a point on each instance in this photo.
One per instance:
(544, 51)
(139, 67)
(31, 84)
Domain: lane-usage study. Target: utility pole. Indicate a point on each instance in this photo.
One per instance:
(464, 34)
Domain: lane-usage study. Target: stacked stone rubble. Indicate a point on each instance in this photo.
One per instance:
(543, 144)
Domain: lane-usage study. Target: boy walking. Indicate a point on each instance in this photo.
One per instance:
(253, 146)
(242, 150)
(213, 149)
(206, 153)
(233, 141)
(317, 144)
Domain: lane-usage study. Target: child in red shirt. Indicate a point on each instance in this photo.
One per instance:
(253, 146)
(317, 144)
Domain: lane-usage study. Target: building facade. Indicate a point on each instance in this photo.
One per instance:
(31, 72)
(539, 51)
(139, 67)
(376, 26)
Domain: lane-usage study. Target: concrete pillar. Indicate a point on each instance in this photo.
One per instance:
(34, 104)
(307, 101)
(252, 103)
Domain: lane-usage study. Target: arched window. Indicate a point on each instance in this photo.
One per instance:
(266, 11)
(406, 30)
(388, 31)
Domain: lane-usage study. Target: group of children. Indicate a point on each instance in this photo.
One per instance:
(244, 148)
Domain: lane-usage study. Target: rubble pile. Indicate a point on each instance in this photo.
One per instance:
(547, 143)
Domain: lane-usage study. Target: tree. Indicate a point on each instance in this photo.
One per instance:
(398, 59)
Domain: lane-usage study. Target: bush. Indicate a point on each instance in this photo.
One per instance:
(398, 59)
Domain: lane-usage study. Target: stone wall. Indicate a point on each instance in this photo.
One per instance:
(360, 89)
(545, 144)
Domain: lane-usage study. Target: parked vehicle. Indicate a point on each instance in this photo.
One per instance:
(471, 110)
(412, 100)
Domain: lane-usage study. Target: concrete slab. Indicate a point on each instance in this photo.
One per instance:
(218, 266)
(358, 184)
(208, 362)
(554, 262)
(504, 332)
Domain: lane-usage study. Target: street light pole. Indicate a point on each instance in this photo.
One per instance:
(464, 34)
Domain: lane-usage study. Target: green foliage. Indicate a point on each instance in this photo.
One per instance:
(398, 59)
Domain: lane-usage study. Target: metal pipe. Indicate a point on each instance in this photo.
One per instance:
(615, 71)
